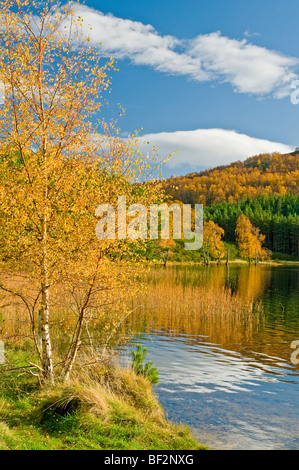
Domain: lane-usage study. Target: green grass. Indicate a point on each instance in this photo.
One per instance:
(284, 257)
(106, 408)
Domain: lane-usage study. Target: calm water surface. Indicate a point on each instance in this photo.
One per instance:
(235, 386)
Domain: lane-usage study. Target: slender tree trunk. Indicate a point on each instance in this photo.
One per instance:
(228, 253)
(47, 363)
(39, 331)
(74, 348)
(76, 339)
(166, 259)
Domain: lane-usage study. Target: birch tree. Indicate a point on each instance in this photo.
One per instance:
(58, 161)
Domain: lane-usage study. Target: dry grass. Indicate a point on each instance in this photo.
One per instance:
(99, 390)
(105, 312)
(176, 301)
(192, 309)
(102, 407)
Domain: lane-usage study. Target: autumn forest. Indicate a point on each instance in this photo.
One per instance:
(264, 188)
(80, 309)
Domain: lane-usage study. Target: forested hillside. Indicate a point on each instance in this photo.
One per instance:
(263, 174)
(265, 188)
(277, 217)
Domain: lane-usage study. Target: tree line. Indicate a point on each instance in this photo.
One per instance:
(277, 218)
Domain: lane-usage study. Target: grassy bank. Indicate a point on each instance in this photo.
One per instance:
(180, 256)
(101, 407)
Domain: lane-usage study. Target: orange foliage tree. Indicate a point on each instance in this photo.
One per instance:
(57, 164)
(249, 239)
(212, 240)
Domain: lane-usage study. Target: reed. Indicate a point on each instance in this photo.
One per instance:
(180, 308)
(178, 302)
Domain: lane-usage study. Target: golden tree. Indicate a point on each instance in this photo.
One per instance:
(58, 162)
(249, 239)
(212, 240)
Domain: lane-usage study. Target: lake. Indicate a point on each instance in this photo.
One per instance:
(229, 377)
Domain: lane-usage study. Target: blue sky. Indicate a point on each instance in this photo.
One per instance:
(211, 79)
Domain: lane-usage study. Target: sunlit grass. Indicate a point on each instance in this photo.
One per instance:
(102, 407)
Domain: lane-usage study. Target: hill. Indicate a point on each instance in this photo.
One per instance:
(265, 174)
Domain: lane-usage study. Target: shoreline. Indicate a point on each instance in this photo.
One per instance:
(231, 263)
(104, 407)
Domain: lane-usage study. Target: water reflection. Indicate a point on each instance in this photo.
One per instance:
(227, 375)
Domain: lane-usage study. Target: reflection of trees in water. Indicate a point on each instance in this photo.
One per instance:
(177, 307)
(189, 302)
(196, 302)
(252, 282)
(283, 295)
(248, 282)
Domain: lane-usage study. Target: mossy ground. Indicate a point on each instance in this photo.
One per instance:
(104, 407)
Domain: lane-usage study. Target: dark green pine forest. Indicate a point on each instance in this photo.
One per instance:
(277, 217)
(265, 188)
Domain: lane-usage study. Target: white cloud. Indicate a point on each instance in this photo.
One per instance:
(140, 43)
(209, 147)
(248, 34)
(249, 68)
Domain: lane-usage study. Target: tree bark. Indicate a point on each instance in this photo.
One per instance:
(74, 348)
(47, 363)
(228, 253)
